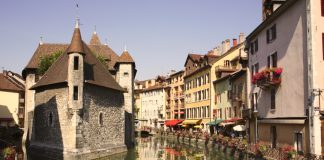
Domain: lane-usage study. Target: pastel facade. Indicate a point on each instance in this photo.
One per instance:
(288, 112)
(175, 107)
(222, 88)
(153, 108)
(12, 99)
(197, 89)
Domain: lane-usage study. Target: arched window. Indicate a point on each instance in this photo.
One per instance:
(100, 119)
(50, 119)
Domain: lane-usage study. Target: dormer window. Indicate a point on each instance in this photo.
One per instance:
(76, 63)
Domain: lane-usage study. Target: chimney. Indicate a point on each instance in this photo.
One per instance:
(223, 47)
(241, 38)
(227, 44)
(234, 42)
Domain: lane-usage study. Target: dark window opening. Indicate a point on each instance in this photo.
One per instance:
(323, 44)
(299, 142)
(273, 136)
(76, 62)
(75, 93)
(273, 99)
(101, 119)
(274, 59)
(50, 119)
(322, 7)
(271, 34)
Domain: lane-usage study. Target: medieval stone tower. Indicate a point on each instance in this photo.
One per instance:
(125, 77)
(80, 108)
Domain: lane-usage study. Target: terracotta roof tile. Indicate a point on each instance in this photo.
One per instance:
(76, 45)
(125, 57)
(95, 39)
(94, 72)
(50, 48)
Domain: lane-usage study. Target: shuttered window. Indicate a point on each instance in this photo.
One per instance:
(322, 7)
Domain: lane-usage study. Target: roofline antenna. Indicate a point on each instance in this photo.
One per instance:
(41, 40)
(125, 48)
(106, 42)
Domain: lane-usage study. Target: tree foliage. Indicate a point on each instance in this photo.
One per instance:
(102, 59)
(46, 62)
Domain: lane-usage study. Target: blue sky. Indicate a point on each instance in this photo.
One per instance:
(158, 33)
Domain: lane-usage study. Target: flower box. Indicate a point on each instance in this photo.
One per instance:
(270, 77)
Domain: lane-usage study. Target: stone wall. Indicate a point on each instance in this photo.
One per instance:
(52, 101)
(111, 104)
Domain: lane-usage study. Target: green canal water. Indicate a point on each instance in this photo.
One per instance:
(153, 148)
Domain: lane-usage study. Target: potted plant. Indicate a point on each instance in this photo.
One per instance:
(289, 151)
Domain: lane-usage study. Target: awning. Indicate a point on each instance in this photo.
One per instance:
(171, 123)
(214, 122)
(239, 128)
(232, 120)
(198, 126)
(184, 125)
(192, 121)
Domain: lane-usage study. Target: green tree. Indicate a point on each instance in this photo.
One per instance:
(102, 59)
(46, 61)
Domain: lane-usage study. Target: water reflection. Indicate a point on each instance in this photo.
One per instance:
(152, 148)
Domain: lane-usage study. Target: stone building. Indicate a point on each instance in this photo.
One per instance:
(80, 108)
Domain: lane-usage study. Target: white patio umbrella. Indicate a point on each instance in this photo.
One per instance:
(239, 128)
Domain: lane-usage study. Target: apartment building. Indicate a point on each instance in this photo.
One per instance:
(175, 108)
(285, 76)
(197, 90)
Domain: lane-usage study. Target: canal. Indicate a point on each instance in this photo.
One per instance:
(154, 148)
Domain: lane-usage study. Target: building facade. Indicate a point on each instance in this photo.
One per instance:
(12, 99)
(152, 110)
(197, 90)
(175, 108)
(223, 87)
(285, 54)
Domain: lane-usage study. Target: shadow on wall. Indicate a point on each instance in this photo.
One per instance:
(10, 133)
(46, 131)
(129, 132)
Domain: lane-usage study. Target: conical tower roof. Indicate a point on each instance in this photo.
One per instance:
(76, 45)
(95, 39)
(125, 57)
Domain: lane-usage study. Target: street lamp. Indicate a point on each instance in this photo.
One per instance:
(255, 113)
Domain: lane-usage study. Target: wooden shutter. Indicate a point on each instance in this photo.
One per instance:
(322, 7)
(256, 45)
(323, 44)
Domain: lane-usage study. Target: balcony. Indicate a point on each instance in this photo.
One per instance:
(268, 78)
(181, 96)
(225, 68)
(21, 100)
(181, 106)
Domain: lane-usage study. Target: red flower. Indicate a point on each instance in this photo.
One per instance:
(278, 71)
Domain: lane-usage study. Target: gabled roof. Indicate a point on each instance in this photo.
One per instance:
(8, 85)
(94, 72)
(95, 39)
(193, 57)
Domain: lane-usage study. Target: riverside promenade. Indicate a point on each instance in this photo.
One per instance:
(236, 147)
